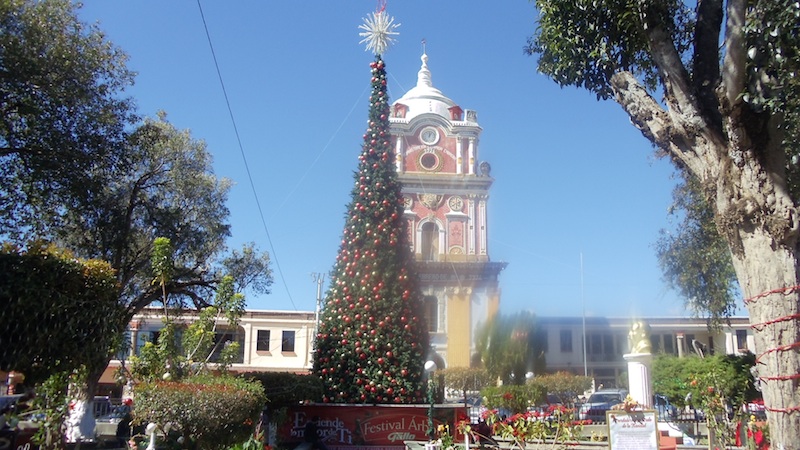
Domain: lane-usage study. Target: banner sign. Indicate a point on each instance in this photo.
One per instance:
(634, 430)
(368, 427)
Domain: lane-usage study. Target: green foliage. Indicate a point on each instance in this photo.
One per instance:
(52, 402)
(249, 269)
(63, 118)
(773, 44)
(695, 259)
(671, 375)
(584, 42)
(522, 428)
(76, 171)
(210, 412)
(373, 337)
(183, 351)
(510, 347)
(59, 313)
(466, 379)
(728, 375)
(285, 388)
(722, 386)
(737, 85)
(166, 189)
(161, 263)
(564, 385)
(514, 398)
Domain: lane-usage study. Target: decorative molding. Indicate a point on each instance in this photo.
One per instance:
(430, 201)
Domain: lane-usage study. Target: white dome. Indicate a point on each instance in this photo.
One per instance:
(424, 98)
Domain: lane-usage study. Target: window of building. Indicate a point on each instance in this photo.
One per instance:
(595, 344)
(741, 339)
(655, 343)
(669, 344)
(608, 344)
(262, 341)
(429, 247)
(623, 346)
(287, 341)
(225, 337)
(566, 340)
(431, 304)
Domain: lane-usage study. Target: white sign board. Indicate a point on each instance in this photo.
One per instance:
(635, 430)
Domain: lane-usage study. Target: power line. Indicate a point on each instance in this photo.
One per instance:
(274, 255)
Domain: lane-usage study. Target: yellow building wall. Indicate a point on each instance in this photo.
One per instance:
(494, 303)
(458, 330)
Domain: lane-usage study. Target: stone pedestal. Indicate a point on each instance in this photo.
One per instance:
(640, 384)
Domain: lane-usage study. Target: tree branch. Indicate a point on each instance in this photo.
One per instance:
(674, 76)
(705, 61)
(647, 115)
(733, 66)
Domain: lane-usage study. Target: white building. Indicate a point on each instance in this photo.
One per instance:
(270, 341)
(606, 340)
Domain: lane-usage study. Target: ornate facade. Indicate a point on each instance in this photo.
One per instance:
(446, 192)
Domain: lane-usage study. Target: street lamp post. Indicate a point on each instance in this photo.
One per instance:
(430, 367)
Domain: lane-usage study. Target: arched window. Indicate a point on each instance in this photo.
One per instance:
(430, 241)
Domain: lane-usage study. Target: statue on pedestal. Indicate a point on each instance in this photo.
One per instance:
(639, 338)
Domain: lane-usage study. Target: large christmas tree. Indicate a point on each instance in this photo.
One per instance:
(372, 338)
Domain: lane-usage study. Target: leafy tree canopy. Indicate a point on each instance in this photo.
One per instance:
(62, 114)
(712, 84)
(510, 347)
(695, 259)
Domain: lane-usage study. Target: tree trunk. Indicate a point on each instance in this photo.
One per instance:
(80, 422)
(768, 277)
(743, 171)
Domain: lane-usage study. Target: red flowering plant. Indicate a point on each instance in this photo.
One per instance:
(757, 435)
(519, 428)
(534, 426)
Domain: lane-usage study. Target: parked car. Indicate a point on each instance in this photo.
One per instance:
(601, 401)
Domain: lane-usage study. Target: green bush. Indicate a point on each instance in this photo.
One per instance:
(209, 412)
(515, 399)
(729, 374)
(285, 388)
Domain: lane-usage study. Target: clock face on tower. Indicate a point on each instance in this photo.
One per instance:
(429, 136)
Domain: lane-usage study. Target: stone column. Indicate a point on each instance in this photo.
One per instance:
(640, 383)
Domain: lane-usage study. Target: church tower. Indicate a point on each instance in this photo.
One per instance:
(446, 194)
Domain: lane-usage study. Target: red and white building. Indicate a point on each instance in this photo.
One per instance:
(446, 190)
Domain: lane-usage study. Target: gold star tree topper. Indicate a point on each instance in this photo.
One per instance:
(378, 28)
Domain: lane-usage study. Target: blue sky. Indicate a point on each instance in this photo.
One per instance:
(574, 181)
